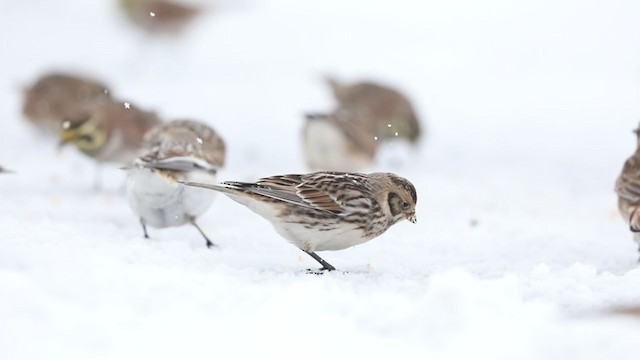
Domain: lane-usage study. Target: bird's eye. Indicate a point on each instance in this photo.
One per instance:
(405, 205)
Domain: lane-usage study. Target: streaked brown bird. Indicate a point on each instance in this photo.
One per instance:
(56, 96)
(628, 190)
(182, 150)
(159, 16)
(390, 110)
(326, 210)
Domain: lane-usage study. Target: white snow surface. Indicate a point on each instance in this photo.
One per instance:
(528, 105)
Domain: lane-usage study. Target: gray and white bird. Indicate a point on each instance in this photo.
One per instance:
(326, 210)
(338, 141)
(175, 152)
(628, 190)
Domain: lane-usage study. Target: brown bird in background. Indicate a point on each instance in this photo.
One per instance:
(390, 110)
(628, 190)
(340, 141)
(109, 132)
(56, 96)
(159, 16)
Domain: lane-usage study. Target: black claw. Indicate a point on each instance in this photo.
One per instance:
(210, 244)
(320, 271)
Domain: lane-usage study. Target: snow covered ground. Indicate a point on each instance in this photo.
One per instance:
(529, 107)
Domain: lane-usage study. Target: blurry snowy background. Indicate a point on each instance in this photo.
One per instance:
(528, 106)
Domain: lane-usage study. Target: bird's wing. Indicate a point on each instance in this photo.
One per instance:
(181, 164)
(337, 193)
(628, 183)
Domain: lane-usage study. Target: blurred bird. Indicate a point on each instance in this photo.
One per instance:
(5, 171)
(633, 311)
(388, 109)
(326, 210)
(175, 152)
(56, 96)
(339, 141)
(109, 132)
(628, 190)
(159, 16)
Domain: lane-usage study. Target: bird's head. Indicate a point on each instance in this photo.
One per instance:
(401, 199)
(86, 133)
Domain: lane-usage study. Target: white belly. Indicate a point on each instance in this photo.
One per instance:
(306, 239)
(327, 148)
(315, 240)
(161, 202)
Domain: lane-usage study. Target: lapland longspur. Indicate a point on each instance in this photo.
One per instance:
(175, 152)
(109, 132)
(390, 111)
(56, 96)
(339, 141)
(326, 210)
(628, 190)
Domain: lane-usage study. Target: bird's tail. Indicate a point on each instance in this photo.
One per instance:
(226, 187)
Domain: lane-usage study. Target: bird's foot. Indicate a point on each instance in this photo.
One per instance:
(211, 245)
(323, 270)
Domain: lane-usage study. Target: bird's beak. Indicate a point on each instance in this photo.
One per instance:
(412, 217)
(67, 135)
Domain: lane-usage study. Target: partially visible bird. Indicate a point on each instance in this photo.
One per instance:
(109, 132)
(56, 96)
(339, 141)
(628, 190)
(175, 152)
(326, 210)
(5, 171)
(159, 16)
(390, 110)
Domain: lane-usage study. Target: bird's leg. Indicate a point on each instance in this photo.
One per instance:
(210, 244)
(144, 229)
(325, 265)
